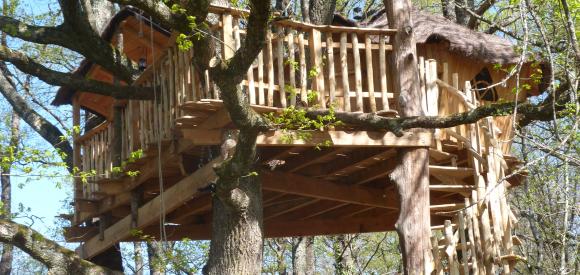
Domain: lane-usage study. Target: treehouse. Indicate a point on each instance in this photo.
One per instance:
(143, 161)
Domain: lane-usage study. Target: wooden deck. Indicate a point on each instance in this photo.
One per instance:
(308, 189)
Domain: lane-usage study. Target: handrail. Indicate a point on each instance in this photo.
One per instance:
(453, 91)
(86, 136)
(335, 29)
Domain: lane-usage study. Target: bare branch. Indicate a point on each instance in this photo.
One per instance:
(27, 65)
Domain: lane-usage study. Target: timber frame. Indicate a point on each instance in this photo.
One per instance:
(308, 189)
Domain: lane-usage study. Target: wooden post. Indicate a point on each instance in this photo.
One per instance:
(370, 73)
(315, 44)
(357, 73)
(411, 174)
(383, 72)
(228, 36)
(330, 65)
(303, 74)
(280, 59)
(344, 71)
(270, 68)
(78, 185)
(292, 71)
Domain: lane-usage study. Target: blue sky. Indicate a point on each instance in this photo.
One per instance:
(40, 194)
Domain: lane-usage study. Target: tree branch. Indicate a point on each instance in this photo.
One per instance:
(528, 112)
(43, 127)
(31, 33)
(58, 259)
(29, 66)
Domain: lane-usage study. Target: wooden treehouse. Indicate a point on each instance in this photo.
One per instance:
(336, 189)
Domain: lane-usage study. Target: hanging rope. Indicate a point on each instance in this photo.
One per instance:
(162, 232)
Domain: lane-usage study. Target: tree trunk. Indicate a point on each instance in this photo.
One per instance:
(154, 254)
(343, 263)
(321, 12)
(237, 233)
(138, 256)
(447, 9)
(411, 175)
(6, 195)
(303, 256)
(461, 15)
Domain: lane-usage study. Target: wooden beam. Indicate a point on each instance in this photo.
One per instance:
(312, 157)
(320, 189)
(310, 227)
(173, 197)
(414, 138)
(358, 159)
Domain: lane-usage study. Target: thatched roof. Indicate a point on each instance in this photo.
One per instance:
(429, 27)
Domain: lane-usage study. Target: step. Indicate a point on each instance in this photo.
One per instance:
(452, 188)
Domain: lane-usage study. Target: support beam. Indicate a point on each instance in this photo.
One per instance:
(173, 197)
(413, 138)
(320, 189)
(310, 227)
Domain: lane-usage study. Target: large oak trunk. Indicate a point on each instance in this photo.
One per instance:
(236, 245)
(411, 175)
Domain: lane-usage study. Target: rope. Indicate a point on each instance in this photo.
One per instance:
(162, 232)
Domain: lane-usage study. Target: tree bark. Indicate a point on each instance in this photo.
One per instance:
(58, 259)
(321, 12)
(303, 256)
(154, 254)
(411, 175)
(6, 195)
(237, 229)
(138, 257)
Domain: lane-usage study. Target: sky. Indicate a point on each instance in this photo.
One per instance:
(40, 194)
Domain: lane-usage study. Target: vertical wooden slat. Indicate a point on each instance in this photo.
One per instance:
(383, 72)
(228, 36)
(292, 71)
(463, 242)
(357, 73)
(270, 68)
(251, 86)
(460, 107)
(303, 75)
(450, 250)
(424, 79)
(370, 73)
(77, 160)
(261, 97)
(422, 85)
(433, 98)
(330, 65)
(280, 59)
(315, 45)
(436, 255)
(193, 75)
(344, 71)
(206, 86)
(471, 233)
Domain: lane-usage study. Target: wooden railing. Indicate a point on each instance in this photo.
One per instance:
(482, 229)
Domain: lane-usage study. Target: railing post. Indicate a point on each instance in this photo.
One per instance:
(78, 191)
(315, 45)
